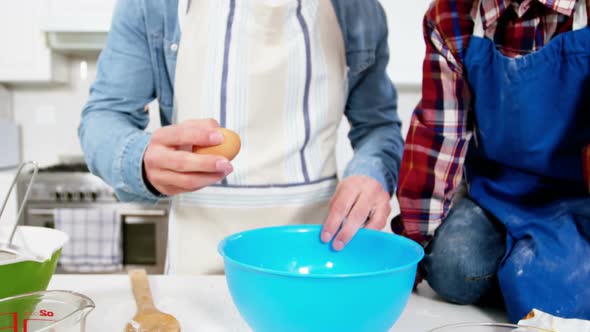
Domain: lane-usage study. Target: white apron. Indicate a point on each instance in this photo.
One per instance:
(275, 74)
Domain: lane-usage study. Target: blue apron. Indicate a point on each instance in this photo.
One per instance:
(524, 165)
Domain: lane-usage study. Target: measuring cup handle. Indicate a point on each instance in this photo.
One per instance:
(25, 197)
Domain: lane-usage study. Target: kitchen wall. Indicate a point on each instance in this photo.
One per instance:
(49, 115)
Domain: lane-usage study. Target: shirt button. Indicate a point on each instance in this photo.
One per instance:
(174, 47)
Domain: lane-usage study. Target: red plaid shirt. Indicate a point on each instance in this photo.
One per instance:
(437, 141)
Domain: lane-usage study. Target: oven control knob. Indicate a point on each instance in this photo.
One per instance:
(70, 196)
(81, 196)
(57, 195)
(94, 196)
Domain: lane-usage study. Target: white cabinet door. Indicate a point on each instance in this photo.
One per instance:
(406, 41)
(78, 15)
(25, 56)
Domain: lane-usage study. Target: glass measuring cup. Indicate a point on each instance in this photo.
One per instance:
(49, 311)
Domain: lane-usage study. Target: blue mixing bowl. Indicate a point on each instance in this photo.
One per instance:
(285, 279)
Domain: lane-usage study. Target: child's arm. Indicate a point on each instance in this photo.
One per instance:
(438, 136)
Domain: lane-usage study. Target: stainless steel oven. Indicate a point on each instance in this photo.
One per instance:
(144, 228)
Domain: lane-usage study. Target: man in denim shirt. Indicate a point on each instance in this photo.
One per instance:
(281, 73)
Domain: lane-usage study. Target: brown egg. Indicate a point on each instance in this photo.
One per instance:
(229, 148)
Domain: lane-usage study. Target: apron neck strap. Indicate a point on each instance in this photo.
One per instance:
(581, 15)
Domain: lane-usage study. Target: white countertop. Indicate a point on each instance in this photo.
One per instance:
(203, 303)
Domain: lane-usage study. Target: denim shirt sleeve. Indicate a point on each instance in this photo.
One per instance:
(372, 113)
(112, 129)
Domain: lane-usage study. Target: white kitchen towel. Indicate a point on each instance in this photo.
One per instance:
(95, 244)
(545, 321)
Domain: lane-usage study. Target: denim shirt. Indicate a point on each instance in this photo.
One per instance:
(138, 65)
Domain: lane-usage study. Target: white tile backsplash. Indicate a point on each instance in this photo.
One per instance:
(49, 115)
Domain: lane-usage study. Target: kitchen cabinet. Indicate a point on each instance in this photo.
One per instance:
(78, 15)
(25, 56)
(77, 26)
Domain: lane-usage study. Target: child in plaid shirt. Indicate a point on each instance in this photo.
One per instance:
(504, 112)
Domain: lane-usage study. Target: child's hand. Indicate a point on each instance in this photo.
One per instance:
(361, 201)
(171, 170)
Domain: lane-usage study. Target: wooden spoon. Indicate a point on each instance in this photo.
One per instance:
(148, 318)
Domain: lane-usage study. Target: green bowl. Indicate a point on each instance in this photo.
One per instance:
(23, 278)
(24, 275)
(27, 276)
(31, 272)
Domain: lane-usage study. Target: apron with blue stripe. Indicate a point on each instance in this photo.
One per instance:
(274, 72)
(525, 166)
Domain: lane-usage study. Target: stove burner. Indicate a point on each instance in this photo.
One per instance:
(65, 168)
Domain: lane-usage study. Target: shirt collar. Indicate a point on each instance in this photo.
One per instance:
(493, 9)
(564, 7)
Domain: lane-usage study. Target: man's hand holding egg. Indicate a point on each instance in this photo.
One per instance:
(172, 170)
(229, 148)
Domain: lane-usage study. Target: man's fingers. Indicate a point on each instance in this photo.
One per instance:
(185, 181)
(170, 190)
(378, 219)
(185, 162)
(354, 221)
(340, 206)
(195, 132)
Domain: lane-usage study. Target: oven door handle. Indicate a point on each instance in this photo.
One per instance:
(124, 213)
(144, 213)
(41, 212)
